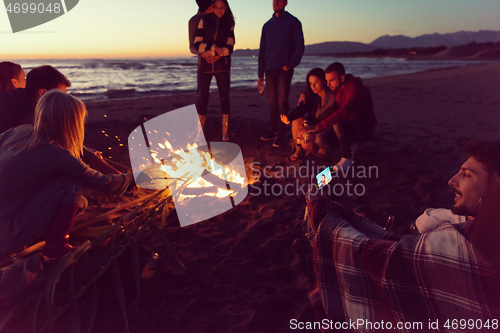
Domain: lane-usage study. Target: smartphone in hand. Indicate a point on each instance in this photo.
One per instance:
(324, 177)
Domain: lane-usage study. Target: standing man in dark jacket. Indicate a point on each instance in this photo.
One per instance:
(281, 49)
(352, 122)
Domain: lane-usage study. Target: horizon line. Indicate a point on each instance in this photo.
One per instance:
(187, 54)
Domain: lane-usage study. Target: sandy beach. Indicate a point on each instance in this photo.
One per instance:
(242, 274)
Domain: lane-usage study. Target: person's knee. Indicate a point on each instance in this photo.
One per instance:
(307, 146)
(297, 126)
(282, 97)
(320, 140)
(343, 130)
(81, 203)
(326, 139)
(353, 131)
(271, 97)
(75, 197)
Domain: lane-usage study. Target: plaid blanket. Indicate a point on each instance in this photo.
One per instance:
(386, 282)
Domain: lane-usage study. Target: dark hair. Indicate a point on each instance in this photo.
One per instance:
(319, 73)
(45, 77)
(8, 71)
(204, 4)
(336, 67)
(486, 153)
(228, 16)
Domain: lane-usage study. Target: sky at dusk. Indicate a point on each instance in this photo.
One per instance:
(158, 28)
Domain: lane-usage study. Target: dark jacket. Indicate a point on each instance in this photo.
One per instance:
(281, 43)
(354, 101)
(16, 108)
(214, 31)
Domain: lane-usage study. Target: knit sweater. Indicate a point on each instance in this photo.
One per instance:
(214, 31)
(24, 172)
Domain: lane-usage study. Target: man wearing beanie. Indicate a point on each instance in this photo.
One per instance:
(205, 7)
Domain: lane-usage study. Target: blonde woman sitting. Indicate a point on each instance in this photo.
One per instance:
(42, 176)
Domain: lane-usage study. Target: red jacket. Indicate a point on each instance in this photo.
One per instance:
(354, 101)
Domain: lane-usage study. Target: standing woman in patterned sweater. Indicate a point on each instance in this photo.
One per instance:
(42, 176)
(214, 40)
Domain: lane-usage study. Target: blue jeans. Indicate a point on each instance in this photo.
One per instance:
(278, 83)
(343, 135)
(223, 85)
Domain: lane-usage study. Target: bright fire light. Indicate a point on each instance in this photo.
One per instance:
(188, 165)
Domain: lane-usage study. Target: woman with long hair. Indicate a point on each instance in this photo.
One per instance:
(319, 104)
(42, 176)
(214, 40)
(12, 76)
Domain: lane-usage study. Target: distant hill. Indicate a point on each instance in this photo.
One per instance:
(394, 42)
(480, 51)
(337, 47)
(474, 50)
(433, 40)
(245, 53)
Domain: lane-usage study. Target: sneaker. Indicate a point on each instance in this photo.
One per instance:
(343, 165)
(278, 142)
(268, 137)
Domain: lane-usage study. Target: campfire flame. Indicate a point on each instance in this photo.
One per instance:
(189, 164)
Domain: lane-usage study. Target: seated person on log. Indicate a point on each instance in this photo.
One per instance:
(318, 105)
(367, 275)
(42, 176)
(352, 122)
(17, 107)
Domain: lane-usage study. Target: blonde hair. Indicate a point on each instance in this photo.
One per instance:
(60, 117)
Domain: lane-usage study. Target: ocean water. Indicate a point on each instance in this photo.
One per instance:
(99, 79)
